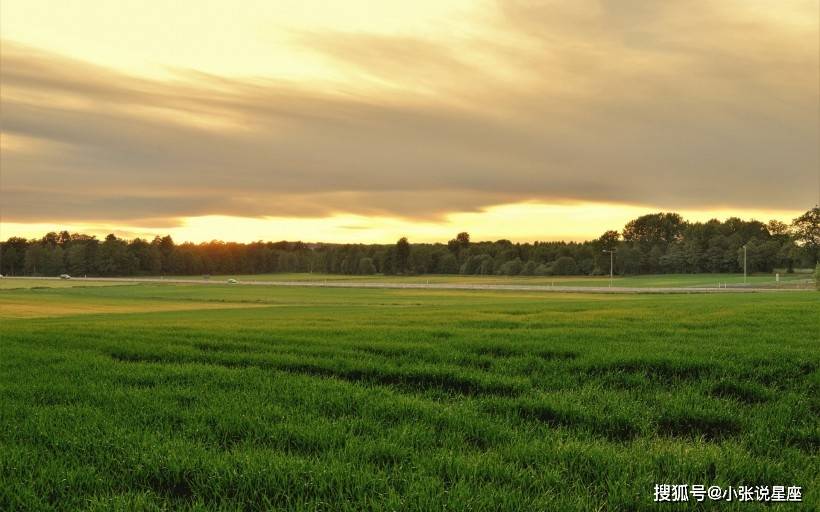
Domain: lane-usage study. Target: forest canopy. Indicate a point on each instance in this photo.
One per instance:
(651, 244)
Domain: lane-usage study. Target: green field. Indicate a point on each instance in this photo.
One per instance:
(167, 397)
(10, 284)
(647, 281)
(796, 280)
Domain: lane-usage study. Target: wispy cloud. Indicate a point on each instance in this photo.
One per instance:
(682, 104)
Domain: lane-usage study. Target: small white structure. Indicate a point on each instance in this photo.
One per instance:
(232, 281)
(65, 276)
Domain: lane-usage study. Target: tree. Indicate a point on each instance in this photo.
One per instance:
(609, 240)
(350, 264)
(459, 244)
(422, 260)
(366, 266)
(817, 277)
(660, 242)
(447, 264)
(64, 238)
(786, 257)
(470, 266)
(674, 261)
(806, 230)
(53, 263)
(694, 257)
(487, 265)
(114, 259)
(477, 264)
(543, 270)
(149, 256)
(388, 261)
(463, 240)
(12, 256)
(751, 257)
(50, 238)
(35, 254)
(654, 228)
(628, 260)
(654, 259)
(166, 249)
(511, 268)
(529, 268)
(777, 228)
(715, 254)
(76, 262)
(564, 266)
(402, 255)
(8, 261)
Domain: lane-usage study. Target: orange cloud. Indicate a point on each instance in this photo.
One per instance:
(690, 105)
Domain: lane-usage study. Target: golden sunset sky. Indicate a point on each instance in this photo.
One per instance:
(364, 121)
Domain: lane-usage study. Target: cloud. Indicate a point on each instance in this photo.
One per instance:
(673, 104)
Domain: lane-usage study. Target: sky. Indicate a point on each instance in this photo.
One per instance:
(363, 121)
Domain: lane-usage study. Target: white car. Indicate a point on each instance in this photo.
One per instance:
(65, 276)
(232, 281)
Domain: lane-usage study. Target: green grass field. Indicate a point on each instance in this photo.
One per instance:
(168, 397)
(11, 284)
(647, 281)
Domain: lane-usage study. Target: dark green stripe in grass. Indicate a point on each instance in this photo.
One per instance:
(418, 379)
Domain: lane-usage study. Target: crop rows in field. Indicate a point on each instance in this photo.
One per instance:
(375, 399)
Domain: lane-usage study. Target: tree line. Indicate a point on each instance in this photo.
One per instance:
(651, 244)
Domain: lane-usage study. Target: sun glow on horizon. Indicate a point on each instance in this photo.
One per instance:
(519, 222)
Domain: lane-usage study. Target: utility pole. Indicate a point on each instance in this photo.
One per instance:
(611, 264)
(744, 264)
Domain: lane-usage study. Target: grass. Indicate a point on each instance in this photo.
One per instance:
(648, 281)
(15, 283)
(237, 398)
(47, 305)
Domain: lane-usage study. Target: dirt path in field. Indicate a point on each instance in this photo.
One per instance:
(431, 286)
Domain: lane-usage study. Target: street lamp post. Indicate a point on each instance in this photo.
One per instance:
(744, 264)
(611, 263)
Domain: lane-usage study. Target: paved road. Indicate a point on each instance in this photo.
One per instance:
(431, 286)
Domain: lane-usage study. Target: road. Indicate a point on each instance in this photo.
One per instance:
(431, 286)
